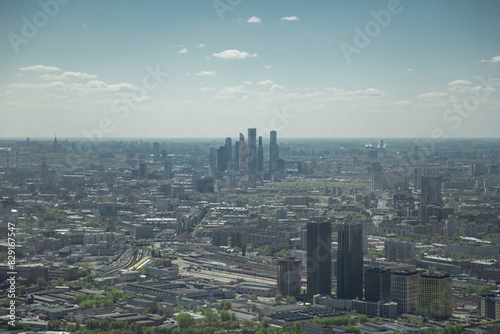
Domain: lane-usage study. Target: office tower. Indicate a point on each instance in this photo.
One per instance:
(260, 156)
(222, 158)
(236, 159)
(168, 170)
(435, 295)
(378, 284)
(212, 160)
(319, 258)
(143, 169)
(376, 176)
(431, 190)
(252, 149)
(243, 153)
(350, 261)
(156, 150)
(289, 282)
(44, 171)
(274, 153)
(399, 251)
(417, 174)
(404, 291)
(229, 151)
(489, 306)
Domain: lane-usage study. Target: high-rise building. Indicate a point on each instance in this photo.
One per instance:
(289, 282)
(376, 176)
(489, 306)
(350, 261)
(260, 156)
(431, 190)
(319, 258)
(243, 153)
(404, 291)
(222, 159)
(274, 152)
(435, 298)
(378, 284)
(252, 149)
(212, 160)
(236, 158)
(229, 150)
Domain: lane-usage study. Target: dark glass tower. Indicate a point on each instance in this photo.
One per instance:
(350, 262)
(252, 149)
(378, 284)
(260, 156)
(274, 153)
(319, 259)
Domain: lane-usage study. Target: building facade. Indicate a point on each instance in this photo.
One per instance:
(404, 291)
(289, 282)
(378, 284)
(350, 261)
(319, 258)
(435, 298)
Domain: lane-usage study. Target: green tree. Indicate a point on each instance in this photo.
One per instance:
(22, 290)
(278, 298)
(41, 282)
(253, 307)
(362, 318)
(184, 320)
(225, 304)
(224, 315)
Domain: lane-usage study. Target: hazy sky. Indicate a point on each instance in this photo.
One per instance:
(215, 68)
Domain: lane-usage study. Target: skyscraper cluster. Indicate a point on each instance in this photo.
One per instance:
(244, 155)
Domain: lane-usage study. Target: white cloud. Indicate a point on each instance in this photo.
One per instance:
(289, 18)
(249, 82)
(409, 69)
(433, 95)
(233, 90)
(121, 87)
(207, 90)
(265, 82)
(268, 66)
(201, 45)
(79, 75)
(459, 83)
(233, 54)
(183, 51)
(404, 103)
(495, 59)
(254, 19)
(40, 68)
(206, 73)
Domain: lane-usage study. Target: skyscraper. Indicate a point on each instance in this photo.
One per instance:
(431, 190)
(260, 156)
(435, 295)
(243, 153)
(252, 149)
(236, 158)
(404, 291)
(319, 258)
(229, 150)
(274, 153)
(289, 283)
(222, 158)
(350, 261)
(376, 176)
(378, 284)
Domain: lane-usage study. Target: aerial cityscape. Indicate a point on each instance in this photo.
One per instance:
(235, 166)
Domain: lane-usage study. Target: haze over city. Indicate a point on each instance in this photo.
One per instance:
(188, 69)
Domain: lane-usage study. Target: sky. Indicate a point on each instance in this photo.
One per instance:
(213, 68)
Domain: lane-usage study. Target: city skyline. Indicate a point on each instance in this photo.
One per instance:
(396, 69)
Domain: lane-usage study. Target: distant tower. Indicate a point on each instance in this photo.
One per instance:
(222, 158)
(252, 149)
(236, 158)
(431, 190)
(376, 176)
(55, 145)
(229, 151)
(289, 282)
(274, 153)
(260, 156)
(212, 160)
(243, 153)
(44, 171)
(319, 258)
(350, 261)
